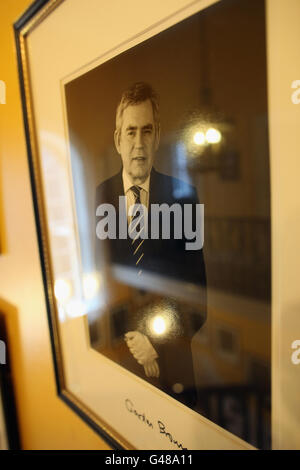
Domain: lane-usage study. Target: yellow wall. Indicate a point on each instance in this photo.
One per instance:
(45, 421)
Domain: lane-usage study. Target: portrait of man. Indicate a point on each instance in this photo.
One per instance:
(163, 358)
(163, 138)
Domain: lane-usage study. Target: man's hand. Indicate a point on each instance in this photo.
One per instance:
(143, 351)
(151, 369)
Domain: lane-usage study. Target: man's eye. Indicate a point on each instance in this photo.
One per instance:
(130, 133)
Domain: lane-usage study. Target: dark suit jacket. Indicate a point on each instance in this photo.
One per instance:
(170, 259)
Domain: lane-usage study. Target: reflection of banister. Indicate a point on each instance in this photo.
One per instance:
(238, 254)
(159, 284)
(243, 410)
(237, 257)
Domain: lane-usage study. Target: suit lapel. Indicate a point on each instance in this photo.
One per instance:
(154, 189)
(116, 190)
(155, 196)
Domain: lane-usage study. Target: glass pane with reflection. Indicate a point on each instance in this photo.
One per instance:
(170, 166)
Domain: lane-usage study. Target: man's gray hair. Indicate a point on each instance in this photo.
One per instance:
(136, 94)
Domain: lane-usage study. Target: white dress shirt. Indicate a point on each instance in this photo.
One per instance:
(127, 184)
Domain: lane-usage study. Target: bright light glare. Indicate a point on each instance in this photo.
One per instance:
(213, 136)
(199, 138)
(75, 308)
(61, 314)
(90, 285)
(159, 325)
(62, 290)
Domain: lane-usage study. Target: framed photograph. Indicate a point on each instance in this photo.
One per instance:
(147, 135)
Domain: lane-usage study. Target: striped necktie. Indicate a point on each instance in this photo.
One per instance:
(137, 223)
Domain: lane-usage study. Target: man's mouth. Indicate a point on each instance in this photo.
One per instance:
(139, 159)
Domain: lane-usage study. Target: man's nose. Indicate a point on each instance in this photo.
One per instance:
(139, 139)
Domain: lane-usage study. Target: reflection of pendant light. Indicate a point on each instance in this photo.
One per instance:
(206, 128)
(210, 136)
(158, 325)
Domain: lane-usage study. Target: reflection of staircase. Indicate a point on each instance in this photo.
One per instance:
(238, 255)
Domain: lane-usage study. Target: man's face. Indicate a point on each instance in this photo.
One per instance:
(138, 141)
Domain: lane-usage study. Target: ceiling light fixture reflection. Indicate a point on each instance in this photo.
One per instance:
(90, 285)
(75, 308)
(158, 325)
(62, 290)
(199, 138)
(213, 136)
(178, 388)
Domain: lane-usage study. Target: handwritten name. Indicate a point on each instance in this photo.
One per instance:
(162, 430)
(141, 416)
(161, 427)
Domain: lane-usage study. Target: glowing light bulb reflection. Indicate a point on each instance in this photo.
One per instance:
(62, 290)
(213, 136)
(159, 325)
(75, 308)
(199, 138)
(90, 285)
(178, 388)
